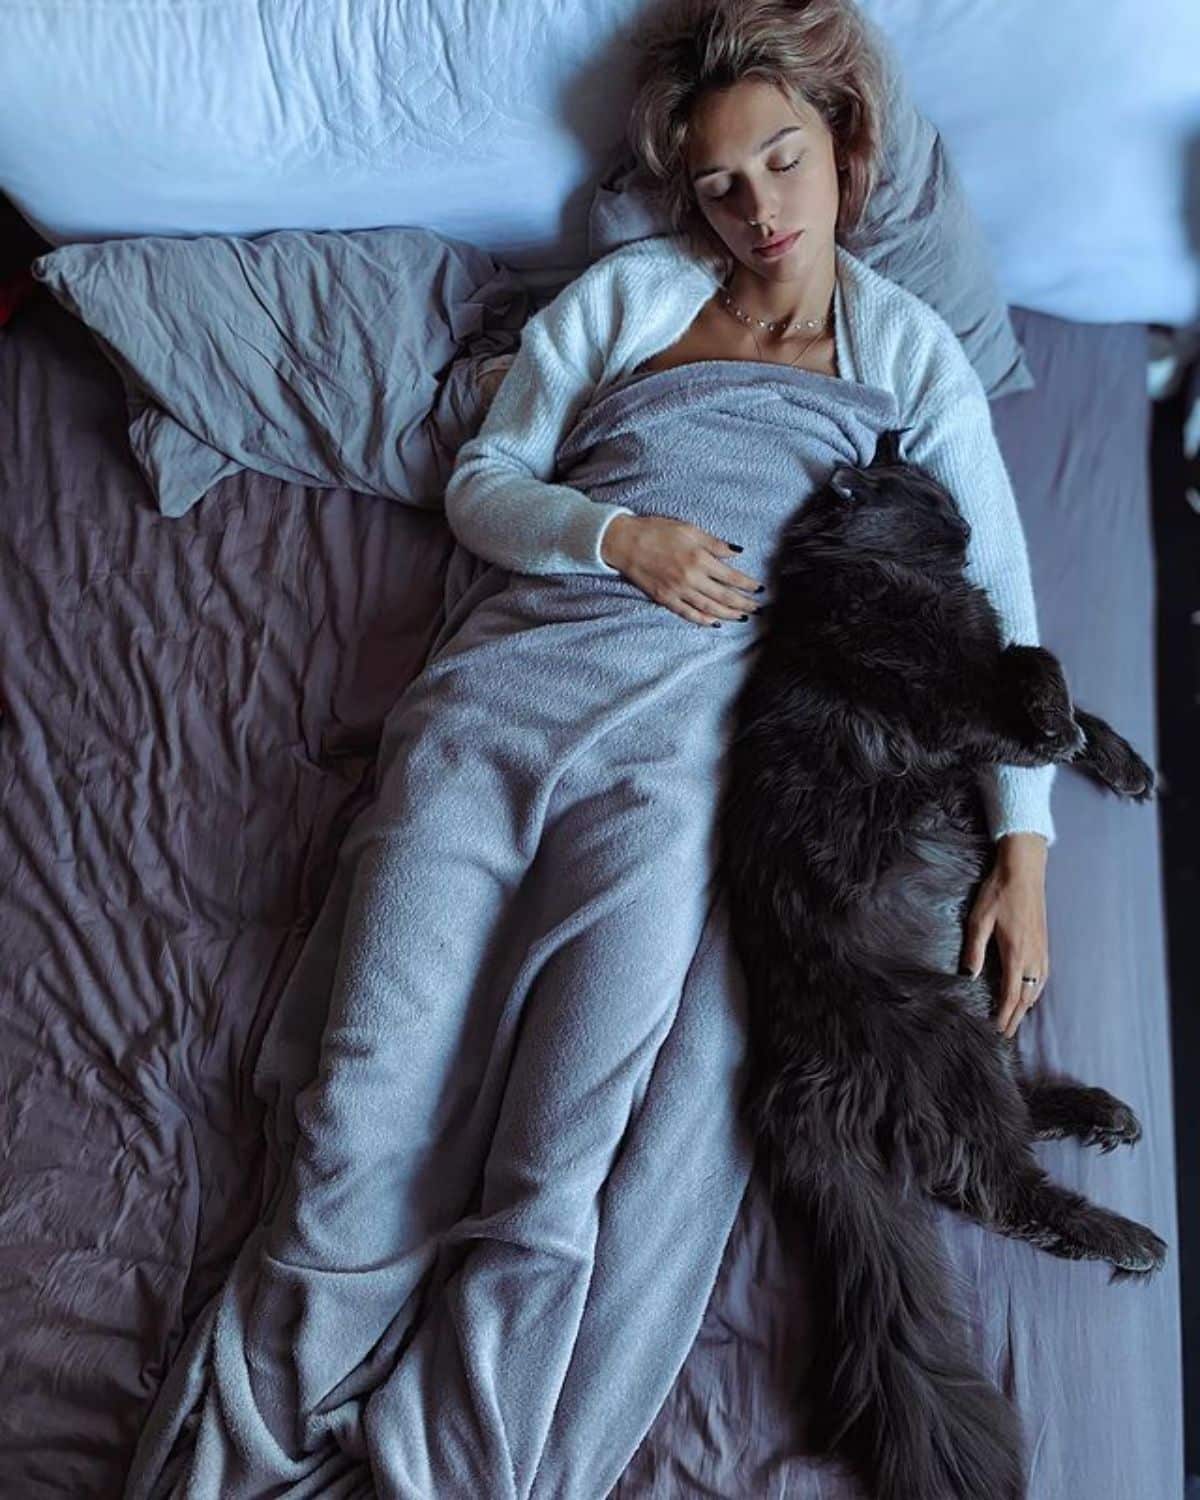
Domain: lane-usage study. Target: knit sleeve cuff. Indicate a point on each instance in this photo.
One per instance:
(1017, 799)
(573, 533)
(592, 538)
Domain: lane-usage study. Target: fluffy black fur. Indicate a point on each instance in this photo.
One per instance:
(852, 842)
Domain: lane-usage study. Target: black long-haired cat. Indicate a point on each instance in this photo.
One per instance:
(852, 840)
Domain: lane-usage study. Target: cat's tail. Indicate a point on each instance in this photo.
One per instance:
(895, 1391)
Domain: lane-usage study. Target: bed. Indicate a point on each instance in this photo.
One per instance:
(192, 709)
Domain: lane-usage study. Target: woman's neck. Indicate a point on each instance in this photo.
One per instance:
(794, 301)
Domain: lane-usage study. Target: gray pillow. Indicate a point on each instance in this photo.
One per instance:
(918, 230)
(326, 358)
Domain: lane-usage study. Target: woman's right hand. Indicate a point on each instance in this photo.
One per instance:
(679, 565)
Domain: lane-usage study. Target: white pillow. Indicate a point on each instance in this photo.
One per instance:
(1075, 127)
(1069, 122)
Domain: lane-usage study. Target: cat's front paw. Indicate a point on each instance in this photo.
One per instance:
(1058, 733)
(1130, 776)
(1113, 760)
(1047, 704)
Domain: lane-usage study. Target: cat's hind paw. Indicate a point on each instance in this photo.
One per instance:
(1121, 1128)
(1141, 1255)
(1133, 778)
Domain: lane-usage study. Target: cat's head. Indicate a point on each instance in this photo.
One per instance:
(890, 510)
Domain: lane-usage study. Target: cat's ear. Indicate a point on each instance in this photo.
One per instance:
(841, 482)
(887, 448)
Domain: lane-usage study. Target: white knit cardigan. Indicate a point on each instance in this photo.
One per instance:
(502, 503)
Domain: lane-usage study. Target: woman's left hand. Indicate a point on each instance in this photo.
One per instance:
(1012, 903)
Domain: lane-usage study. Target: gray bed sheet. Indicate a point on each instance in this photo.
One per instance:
(191, 710)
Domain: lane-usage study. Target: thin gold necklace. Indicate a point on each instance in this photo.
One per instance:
(822, 325)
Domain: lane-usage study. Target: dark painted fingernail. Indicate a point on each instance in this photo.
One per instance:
(760, 588)
(735, 546)
(716, 624)
(743, 617)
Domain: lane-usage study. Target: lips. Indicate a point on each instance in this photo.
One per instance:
(777, 246)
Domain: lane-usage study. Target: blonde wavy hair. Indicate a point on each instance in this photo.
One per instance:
(819, 51)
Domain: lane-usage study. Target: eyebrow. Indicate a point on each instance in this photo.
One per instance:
(770, 141)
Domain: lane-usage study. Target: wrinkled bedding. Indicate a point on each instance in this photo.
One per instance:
(326, 359)
(193, 711)
(517, 1071)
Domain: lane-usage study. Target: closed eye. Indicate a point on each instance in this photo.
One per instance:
(716, 197)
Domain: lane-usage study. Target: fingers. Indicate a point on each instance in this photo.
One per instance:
(724, 572)
(1015, 998)
(1008, 1024)
(716, 603)
(975, 946)
(1011, 995)
(698, 611)
(1011, 1012)
(1019, 998)
(711, 590)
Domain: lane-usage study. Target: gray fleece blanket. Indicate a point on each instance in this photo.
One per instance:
(505, 1156)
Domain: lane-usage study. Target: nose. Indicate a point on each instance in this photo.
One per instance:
(759, 206)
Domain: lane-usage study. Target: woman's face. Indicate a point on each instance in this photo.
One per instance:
(790, 186)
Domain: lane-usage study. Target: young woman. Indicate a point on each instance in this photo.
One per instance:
(761, 121)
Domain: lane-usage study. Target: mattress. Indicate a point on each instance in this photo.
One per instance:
(191, 712)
